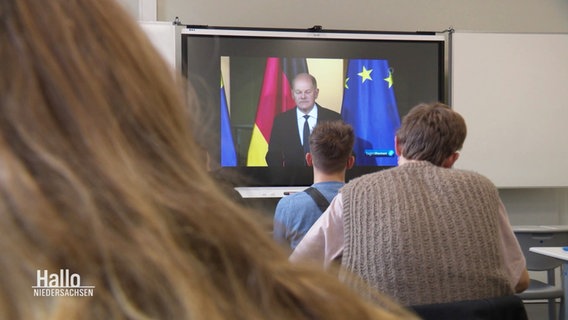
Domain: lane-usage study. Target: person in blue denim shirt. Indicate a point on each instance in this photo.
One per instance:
(331, 145)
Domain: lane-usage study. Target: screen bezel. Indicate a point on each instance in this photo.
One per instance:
(302, 176)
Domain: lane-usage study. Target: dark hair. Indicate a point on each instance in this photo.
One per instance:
(331, 145)
(431, 132)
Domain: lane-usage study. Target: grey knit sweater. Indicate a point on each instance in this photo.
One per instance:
(424, 234)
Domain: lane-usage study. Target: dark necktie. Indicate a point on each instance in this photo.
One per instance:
(306, 135)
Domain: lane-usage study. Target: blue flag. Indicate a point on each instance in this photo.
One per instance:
(228, 152)
(369, 105)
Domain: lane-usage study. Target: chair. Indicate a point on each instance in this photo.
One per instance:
(543, 236)
(500, 308)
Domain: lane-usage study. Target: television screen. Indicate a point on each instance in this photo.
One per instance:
(243, 80)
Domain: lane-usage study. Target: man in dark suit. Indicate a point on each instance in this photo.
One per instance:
(288, 140)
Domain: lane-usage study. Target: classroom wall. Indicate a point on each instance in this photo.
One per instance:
(511, 89)
(400, 15)
(526, 206)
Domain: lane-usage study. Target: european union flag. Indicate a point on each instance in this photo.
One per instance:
(369, 105)
(228, 152)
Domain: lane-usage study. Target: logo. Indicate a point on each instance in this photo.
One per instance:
(62, 284)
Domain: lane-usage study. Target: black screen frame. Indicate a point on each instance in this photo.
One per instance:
(202, 69)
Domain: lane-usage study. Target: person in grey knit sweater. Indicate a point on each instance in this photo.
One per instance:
(422, 232)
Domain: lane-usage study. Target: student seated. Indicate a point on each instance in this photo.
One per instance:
(101, 186)
(330, 155)
(422, 232)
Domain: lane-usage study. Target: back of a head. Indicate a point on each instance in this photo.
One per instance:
(331, 145)
(99, 176)
(431, 132)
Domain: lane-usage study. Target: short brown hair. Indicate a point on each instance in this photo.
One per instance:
(331, 145)
(431, 132)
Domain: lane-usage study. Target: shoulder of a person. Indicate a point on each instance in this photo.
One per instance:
(284, 206)
(468, 173)
(325, 110)
(327, 185)
(290, 206)
(472, 175)
(294, 197)
(286, 114)
(366, 178)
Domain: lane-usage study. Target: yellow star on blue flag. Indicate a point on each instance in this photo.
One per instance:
(389, 78)
(371, 109)
(365, 74)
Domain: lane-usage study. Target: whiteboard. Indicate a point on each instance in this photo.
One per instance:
(512, 90)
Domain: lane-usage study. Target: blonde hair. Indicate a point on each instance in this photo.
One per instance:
(99, 174)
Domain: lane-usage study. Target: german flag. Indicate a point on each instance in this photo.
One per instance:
(275, 97)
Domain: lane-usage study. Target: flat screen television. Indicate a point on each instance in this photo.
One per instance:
(242, 77)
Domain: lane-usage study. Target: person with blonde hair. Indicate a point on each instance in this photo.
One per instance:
(106, 210)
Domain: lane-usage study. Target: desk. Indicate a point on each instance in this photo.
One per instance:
(558, 253)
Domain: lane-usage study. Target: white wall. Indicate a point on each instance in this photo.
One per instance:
(525, 206)
(400, 15)
(511, 89)
(143, 10)
(167, 39)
